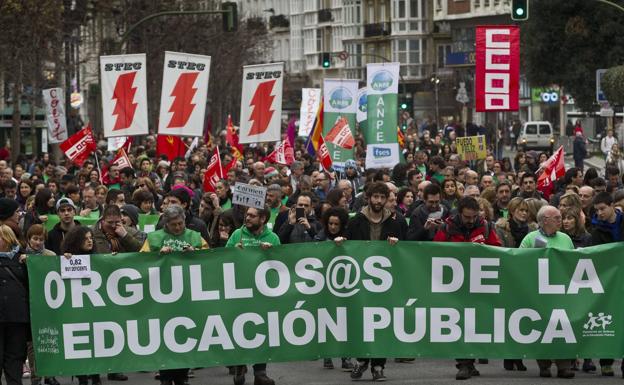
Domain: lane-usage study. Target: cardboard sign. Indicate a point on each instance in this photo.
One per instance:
(471, 147)
(78, 266)
(248, 195)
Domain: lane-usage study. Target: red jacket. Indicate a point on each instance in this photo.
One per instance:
(454, 231)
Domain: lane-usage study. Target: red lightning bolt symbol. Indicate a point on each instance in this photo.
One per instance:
(124, 94)
(262, 112)
(183, 93)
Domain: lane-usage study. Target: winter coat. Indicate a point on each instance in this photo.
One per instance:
(297, 233)
(579, 149)
(359, 227)
(602, 231)
(454, 231)
(128, 244)
(14, 290)
(416, 230)
(506, 236)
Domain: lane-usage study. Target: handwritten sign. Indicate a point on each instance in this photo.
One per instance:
(471, 147)
(78, 266)
(248, 195)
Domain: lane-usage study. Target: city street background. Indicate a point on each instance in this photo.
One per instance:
(421, 371)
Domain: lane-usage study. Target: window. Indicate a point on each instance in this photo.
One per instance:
(413, 8)
(531, 129)
(544, 129)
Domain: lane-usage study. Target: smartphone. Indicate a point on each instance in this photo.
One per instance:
(299, 212)
(435, 215)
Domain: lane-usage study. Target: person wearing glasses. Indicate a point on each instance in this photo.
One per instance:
(254, 233)
(548, 236)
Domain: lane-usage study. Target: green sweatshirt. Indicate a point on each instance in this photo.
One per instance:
(248, 239)
(160, 238)
(558, 241)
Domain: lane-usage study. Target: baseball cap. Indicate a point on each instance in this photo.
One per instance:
(65, 201)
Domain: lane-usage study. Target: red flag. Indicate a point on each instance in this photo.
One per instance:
(341, 135)
(283, 154)
(323, 154)
(400, 137)
(79, 146)
(552, 169)
(497, 68)
(172, 146)
(121, 159)
(228, 167)
(213, 172)
(231, 137)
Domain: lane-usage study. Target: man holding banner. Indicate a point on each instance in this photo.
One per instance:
(252, 234)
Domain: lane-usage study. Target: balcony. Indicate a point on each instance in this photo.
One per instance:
(325, 16)
(377, 29)
(279, 21)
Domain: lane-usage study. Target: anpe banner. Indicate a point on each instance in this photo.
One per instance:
(124, 95)
(471, 147)
(184, 93)
(148, 311)
(361, 115)
(261, 103)
(340, 101)
(310, 102)
(55, 115)
(497, 71)
(382, 86)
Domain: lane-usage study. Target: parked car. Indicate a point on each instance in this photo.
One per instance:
(536, 136)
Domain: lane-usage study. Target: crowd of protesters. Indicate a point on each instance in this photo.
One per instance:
(432, 195)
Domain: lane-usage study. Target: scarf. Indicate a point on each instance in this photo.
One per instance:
(10, 254)
(518, 230)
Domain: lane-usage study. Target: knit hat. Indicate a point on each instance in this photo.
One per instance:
(8, 207)
(350, 163)
(132, 212)
(270, 172)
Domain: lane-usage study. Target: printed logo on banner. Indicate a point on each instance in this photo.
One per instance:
(382, 80)
(182, 105)
(363, 103)
(597, 325)
(340, 98)
(261, 105)
(125, 105)
(381, 152)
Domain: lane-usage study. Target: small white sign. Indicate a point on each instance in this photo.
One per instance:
(248, 195)
(78, 266)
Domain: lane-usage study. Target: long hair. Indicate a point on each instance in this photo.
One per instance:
(8, 236)
(41, 201)
(72, 243)
(342, 215)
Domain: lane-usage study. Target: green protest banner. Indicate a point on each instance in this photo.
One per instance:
(53, 219)
(148, 222)
(382, 86)
(145, 311)
(340, 101)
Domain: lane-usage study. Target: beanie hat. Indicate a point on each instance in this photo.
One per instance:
(350, 163)
(270, 172)
(8, 207)
(132, 212)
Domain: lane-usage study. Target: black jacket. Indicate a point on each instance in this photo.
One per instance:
(416, 230)
(601, 233)
(297, 233)
(358, 228)
(55, 238)
(14, 297)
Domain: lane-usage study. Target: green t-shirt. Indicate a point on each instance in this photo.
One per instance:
(160, 238)
(248, 239)
(226, 205)
(535, 239)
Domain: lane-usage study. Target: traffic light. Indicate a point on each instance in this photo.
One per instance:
(404, 106)
(230, 18)
(326, 60)
(519, 9)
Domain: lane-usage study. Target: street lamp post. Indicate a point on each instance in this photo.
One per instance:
(435, 80)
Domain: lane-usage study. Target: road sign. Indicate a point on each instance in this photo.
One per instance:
(600, 96)
(343, 55)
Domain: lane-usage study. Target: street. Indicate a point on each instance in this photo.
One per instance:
(422, 371)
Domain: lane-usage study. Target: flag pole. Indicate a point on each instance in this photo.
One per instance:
(97, 163)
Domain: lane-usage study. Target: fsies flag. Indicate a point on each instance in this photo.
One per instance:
(552, 169)
(124, 95)
(172, 146)
(340, 134)
(79, 146)
(231, 136)
(283, 154)
(497, 71)
(213, 172)
(323, 155)
(261, 103)
(121, 159)
(183, 95)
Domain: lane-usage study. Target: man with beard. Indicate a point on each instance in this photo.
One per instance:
(467, 226)
(527, 187)
(373, 223)
(254, 233)
(428, 217)
(503, 196)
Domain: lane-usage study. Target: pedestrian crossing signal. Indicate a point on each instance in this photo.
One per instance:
(519, 10)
